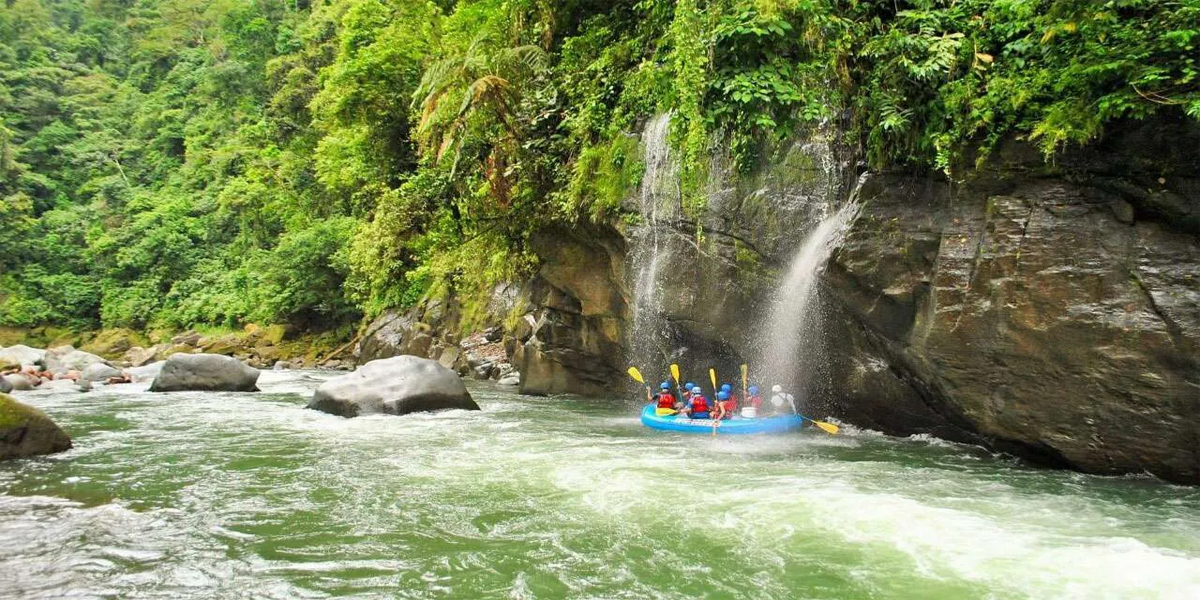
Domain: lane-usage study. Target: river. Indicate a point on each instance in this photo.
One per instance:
(233, 495)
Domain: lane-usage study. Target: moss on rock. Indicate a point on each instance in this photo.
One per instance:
(112, 343)
(27, 431)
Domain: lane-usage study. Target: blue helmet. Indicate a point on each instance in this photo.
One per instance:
(696, 390)
(722, 395)
(665, 386)
(726, 387)
(753, 389)
(688, 386)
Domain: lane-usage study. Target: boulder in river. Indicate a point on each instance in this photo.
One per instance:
(5, 386)
(99, 372)
(205, 372)
(145, 372)
(396, 386)
(18, 382)
(27, 431)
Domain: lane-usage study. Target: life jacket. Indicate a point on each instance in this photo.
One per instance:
(730, 404)
(666, 400)
(755, 401)
(699, 404)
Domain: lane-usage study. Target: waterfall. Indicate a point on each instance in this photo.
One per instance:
(658, 200)
(793, 350)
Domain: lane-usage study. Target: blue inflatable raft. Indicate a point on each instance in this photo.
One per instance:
(686, 425)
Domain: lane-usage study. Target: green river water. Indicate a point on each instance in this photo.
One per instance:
(226, 495)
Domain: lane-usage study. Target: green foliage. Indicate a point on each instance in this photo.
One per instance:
(689, 38)
(604, 175)
(176, 163)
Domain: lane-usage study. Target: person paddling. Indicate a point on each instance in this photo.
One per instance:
(782, 402)
(698, 405)
(685, 395)
(725, 406)
(753, 403)
(730, 404)
(666, 401)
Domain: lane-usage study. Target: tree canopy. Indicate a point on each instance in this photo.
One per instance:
(167, 163)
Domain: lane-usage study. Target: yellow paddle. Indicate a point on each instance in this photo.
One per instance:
(675, 376)
(712, 375)
(829, 428)
(637, 376)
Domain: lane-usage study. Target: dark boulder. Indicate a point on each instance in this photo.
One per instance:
(396, 386)
(205, 372)
(27, 431)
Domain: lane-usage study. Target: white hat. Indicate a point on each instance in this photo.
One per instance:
(777, 388)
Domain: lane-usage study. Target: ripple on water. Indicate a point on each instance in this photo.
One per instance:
(232, 495)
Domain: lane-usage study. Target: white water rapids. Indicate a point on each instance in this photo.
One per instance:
(244, 495)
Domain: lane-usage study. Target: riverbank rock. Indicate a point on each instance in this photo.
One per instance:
(98, 372)
(145, 372)
(138, 356)
(205, 372)
(26, 431)
(112, 343)
(396, 386)
(18, 382)
(63, 359)
(23, 355)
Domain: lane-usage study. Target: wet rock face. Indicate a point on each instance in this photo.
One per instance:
(558, 332)
(1045, 314)
(704, 301)
(26, 431)
(569, 338)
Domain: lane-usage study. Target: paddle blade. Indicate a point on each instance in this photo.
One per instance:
(712, 374)
(745, 374)
(636, 375)
(829, 428)
(675, 373)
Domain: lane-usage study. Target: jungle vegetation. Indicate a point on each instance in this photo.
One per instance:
(168, 163)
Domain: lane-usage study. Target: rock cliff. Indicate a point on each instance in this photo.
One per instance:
(1049, 310)
(1053, 311)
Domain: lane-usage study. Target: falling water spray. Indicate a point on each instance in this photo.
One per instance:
(793, 352)
(657, 198)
